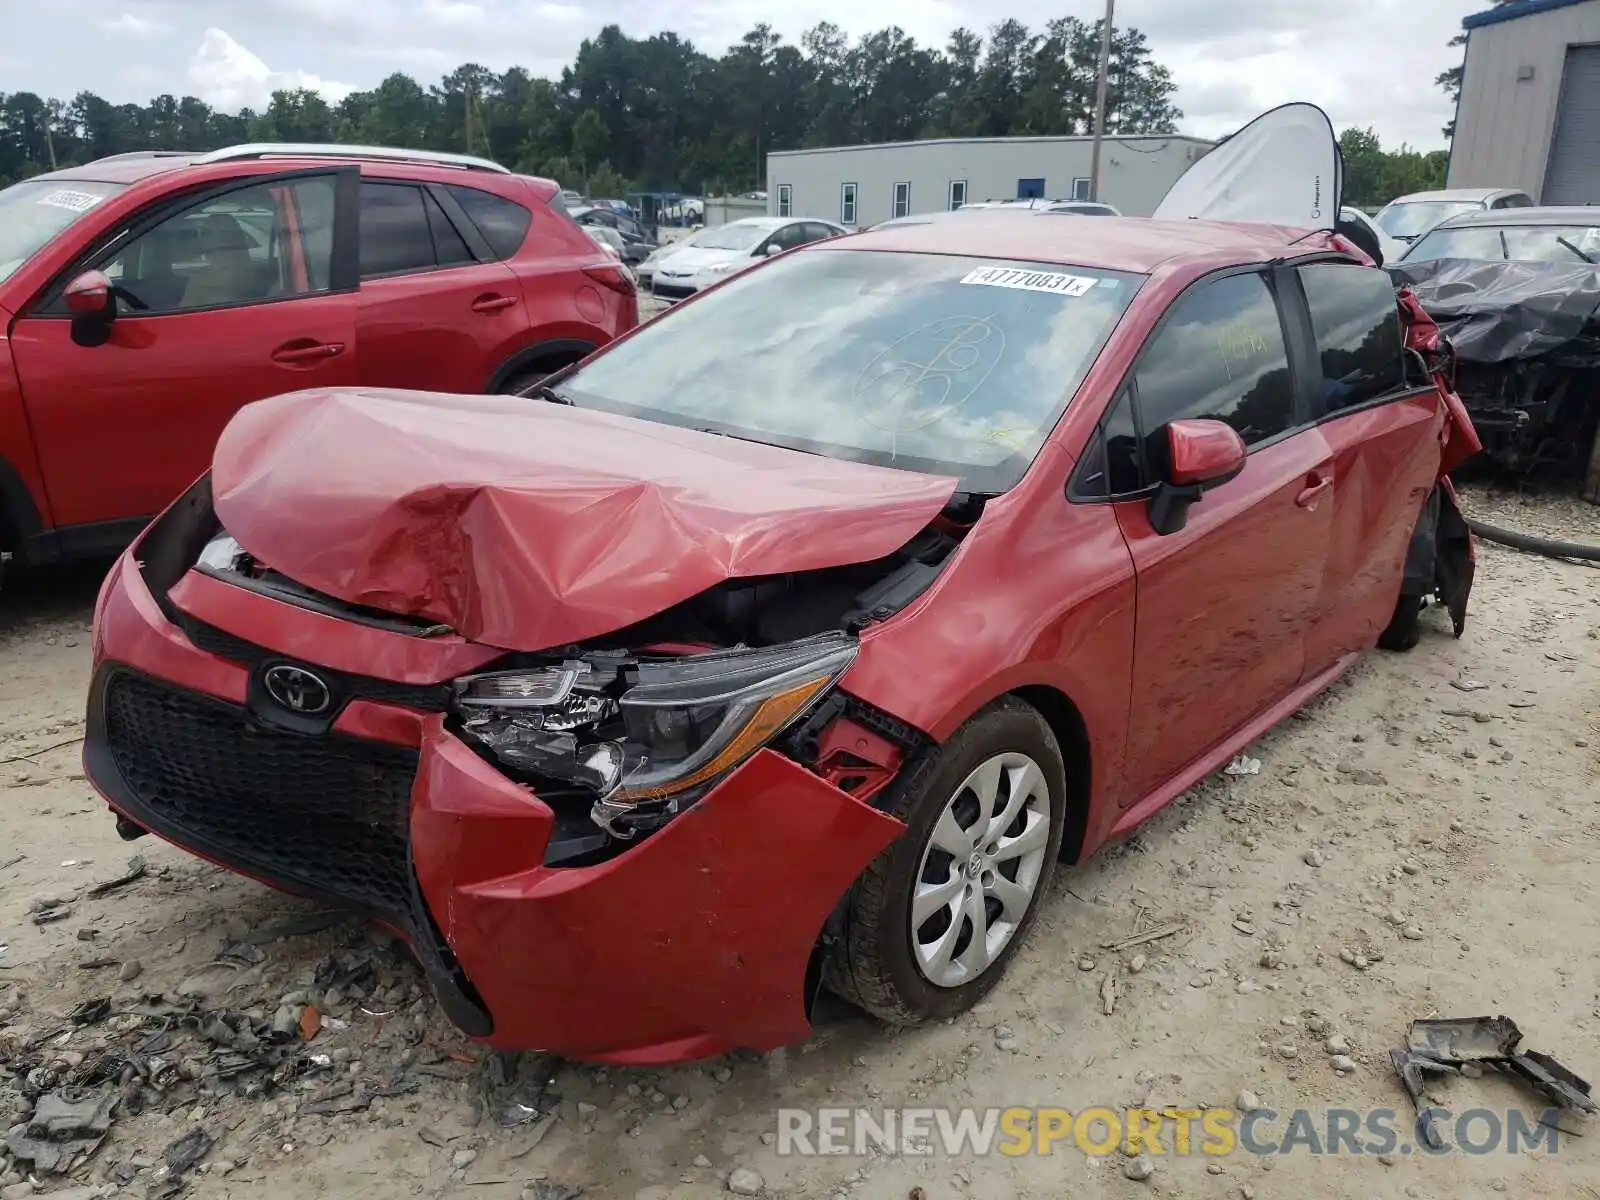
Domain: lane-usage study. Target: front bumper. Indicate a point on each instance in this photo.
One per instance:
(693, 942)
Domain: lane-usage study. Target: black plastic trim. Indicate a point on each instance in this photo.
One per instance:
(520, 361)
(456, 994)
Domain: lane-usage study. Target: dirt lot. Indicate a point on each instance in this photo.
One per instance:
(1414, 844)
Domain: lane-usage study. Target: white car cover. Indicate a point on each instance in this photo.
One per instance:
(1281, 169)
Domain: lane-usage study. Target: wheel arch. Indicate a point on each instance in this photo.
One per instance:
(1072, 737)
(552, 352)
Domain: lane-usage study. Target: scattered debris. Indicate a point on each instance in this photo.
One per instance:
(47, 909)
(1108, 994)
(1243, 765)
(135, 872)
(1449, 1046)
(66, 1128)
(1139, 1168)
(1468, 685)
(742, 1181)
(1139, 939)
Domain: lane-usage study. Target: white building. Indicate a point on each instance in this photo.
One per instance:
(862, 185)
(1529, 112)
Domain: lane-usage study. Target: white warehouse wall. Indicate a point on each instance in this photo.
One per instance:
(1135, 172)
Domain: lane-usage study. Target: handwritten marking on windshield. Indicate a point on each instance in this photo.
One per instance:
(925, 375)
(1053, 282)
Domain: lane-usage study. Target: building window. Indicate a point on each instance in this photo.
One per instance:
(902, 199)
(1080, 188)
(785, 199)
(958, 193)
(847, 204)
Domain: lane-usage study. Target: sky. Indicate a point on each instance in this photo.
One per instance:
(1369, 63)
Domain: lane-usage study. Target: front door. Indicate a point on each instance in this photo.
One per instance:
(232, 297)
(1222, 604)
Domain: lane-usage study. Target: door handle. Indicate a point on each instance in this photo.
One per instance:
(1316, 484)
(298, 352)
(489, 304)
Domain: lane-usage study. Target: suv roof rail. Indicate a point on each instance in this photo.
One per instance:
(367, 153)
(127, 155)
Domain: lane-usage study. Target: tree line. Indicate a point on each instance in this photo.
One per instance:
(658, 114)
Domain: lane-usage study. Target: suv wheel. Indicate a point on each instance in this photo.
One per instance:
(934, 920)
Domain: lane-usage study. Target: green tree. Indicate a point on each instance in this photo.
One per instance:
(589, 140)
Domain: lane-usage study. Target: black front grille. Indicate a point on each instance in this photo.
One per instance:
(328, 816)
(347, 686)
(671, 291)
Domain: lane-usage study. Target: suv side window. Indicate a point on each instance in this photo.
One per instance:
(1219, 354)
(503, 223)
(1357, 327)
(395, 235)
(250, 245)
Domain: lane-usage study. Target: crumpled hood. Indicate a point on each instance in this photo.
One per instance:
(525, 524)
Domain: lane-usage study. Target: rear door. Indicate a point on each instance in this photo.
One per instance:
(1383, 428)
(242, 292)
(439, 311)
(1224, 602)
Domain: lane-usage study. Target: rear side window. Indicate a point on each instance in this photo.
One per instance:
(1220, 354)
(395, 237)
(503, 223)
(1357, 326)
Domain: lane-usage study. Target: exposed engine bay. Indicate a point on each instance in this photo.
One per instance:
(1526, 339)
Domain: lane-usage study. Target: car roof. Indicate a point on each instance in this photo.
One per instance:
(122, 168)
(1571, 214)
(1477, 195)
(1138, 244)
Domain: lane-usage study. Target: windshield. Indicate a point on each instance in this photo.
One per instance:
(35, 211)
(730, 237)
(1512, 243)
(1416, 218)
(955, 366)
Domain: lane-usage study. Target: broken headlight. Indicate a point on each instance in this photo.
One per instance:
(647, 737)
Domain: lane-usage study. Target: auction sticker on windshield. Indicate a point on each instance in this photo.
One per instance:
(76, 201)
(1030, 281)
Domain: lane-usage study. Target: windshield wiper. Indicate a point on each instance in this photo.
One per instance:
(1562, 239)
(545, 392)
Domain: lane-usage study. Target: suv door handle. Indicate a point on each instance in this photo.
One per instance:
(1316, 484)
(302, 350)
(492, 303)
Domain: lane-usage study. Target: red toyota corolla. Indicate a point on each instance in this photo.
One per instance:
(792, 639)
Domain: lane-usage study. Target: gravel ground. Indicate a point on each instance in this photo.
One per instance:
(1421, 840)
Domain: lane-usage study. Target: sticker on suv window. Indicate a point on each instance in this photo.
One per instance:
(1030, 281)
(76, 201)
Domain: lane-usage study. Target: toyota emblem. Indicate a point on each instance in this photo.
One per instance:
(298, 690)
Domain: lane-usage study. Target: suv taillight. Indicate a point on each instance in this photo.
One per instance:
(614, 278)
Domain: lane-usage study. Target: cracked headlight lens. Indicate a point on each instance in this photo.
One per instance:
(649, 737)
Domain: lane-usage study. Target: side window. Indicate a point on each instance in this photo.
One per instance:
(503, 223)
(1124, 468)
(1357, 327)
(449, 248)
(395, 237)
(1219, 354)
(273, 241)
(816, 231)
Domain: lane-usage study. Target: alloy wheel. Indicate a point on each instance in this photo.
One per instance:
(980, 869)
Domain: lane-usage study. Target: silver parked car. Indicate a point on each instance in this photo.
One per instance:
(1407, 218)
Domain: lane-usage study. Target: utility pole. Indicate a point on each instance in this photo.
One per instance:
(1100, 100)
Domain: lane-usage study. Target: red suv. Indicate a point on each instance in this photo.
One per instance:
(146, 297)
(802, 630)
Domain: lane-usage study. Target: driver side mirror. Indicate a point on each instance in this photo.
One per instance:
(89, 295)
(771, 248)
(1193, 457)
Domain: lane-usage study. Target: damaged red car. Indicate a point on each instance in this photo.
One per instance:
(794, 638)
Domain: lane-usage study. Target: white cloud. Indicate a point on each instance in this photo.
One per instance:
(227, 76)
(128, 25)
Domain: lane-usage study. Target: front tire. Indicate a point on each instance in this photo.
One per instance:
(934, 920)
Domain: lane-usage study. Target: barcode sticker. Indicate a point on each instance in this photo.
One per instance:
(1030, 281)
(76, 201)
